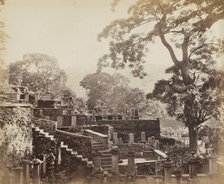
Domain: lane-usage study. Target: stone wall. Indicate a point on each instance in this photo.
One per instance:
(124, 127)
(52, 112)
(46, 125)
(81, 144)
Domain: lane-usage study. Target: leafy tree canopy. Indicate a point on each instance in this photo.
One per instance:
(114, 93)
(183, 28)
(180, 25)
(40, 73)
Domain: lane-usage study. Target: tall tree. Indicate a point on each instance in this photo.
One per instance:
(112, 91)
(40, 73)
(68, 97)
(182, 27)
(98, 86)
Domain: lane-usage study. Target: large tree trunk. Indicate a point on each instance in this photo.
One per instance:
(193, 138)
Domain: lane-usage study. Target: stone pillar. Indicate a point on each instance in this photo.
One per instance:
(26, 98)
(143, 138)
(131, 164)
(60, 121)
(131, 138)
(167, 172)
(96, 160)
(157, 168)
(115, 160)
(115, 137)
(36, 171)
(17, 175)
(73, 121)
(26, 171)
(36, 96)
(44, 166)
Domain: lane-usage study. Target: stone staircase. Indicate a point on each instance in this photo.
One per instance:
(106, 156)
(88, 163)
(106, 160)
(97, 146)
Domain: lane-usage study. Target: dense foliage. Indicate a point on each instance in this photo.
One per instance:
(40, 73)
(115, 93)
(15, 131)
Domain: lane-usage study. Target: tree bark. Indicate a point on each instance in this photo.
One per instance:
(193, 138)
(185, 75)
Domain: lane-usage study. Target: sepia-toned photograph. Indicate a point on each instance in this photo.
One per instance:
(111, 91)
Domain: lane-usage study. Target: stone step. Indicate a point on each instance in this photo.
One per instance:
(106, 167)
(97, 146)
(105, 158)
(97, 143)
(106, 155)
(106, 163)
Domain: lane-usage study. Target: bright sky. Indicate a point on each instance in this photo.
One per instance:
(67, 30)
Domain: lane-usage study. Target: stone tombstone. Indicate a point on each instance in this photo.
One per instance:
(213, 167)
(18, 175)
(143, 137)
(131, 170)
(156, 144)
(60, 120)
(115, 137)
(73, 121)
(26, 171)
(131, 138)
(150, 141)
